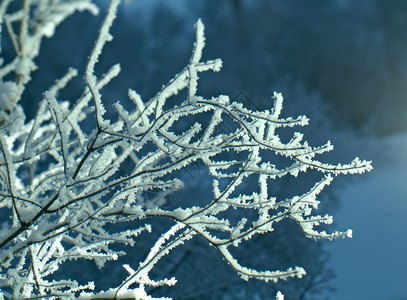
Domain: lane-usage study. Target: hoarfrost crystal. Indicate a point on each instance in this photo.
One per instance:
(61, 210)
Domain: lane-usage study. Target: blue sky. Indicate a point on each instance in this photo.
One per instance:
(372, 265)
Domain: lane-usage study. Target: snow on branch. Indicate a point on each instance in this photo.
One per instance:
(36, 20)
(63, 186)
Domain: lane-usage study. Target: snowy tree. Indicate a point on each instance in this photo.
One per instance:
(73, 192)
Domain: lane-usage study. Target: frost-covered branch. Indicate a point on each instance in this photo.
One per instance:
(64, 185)
(35, 20)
